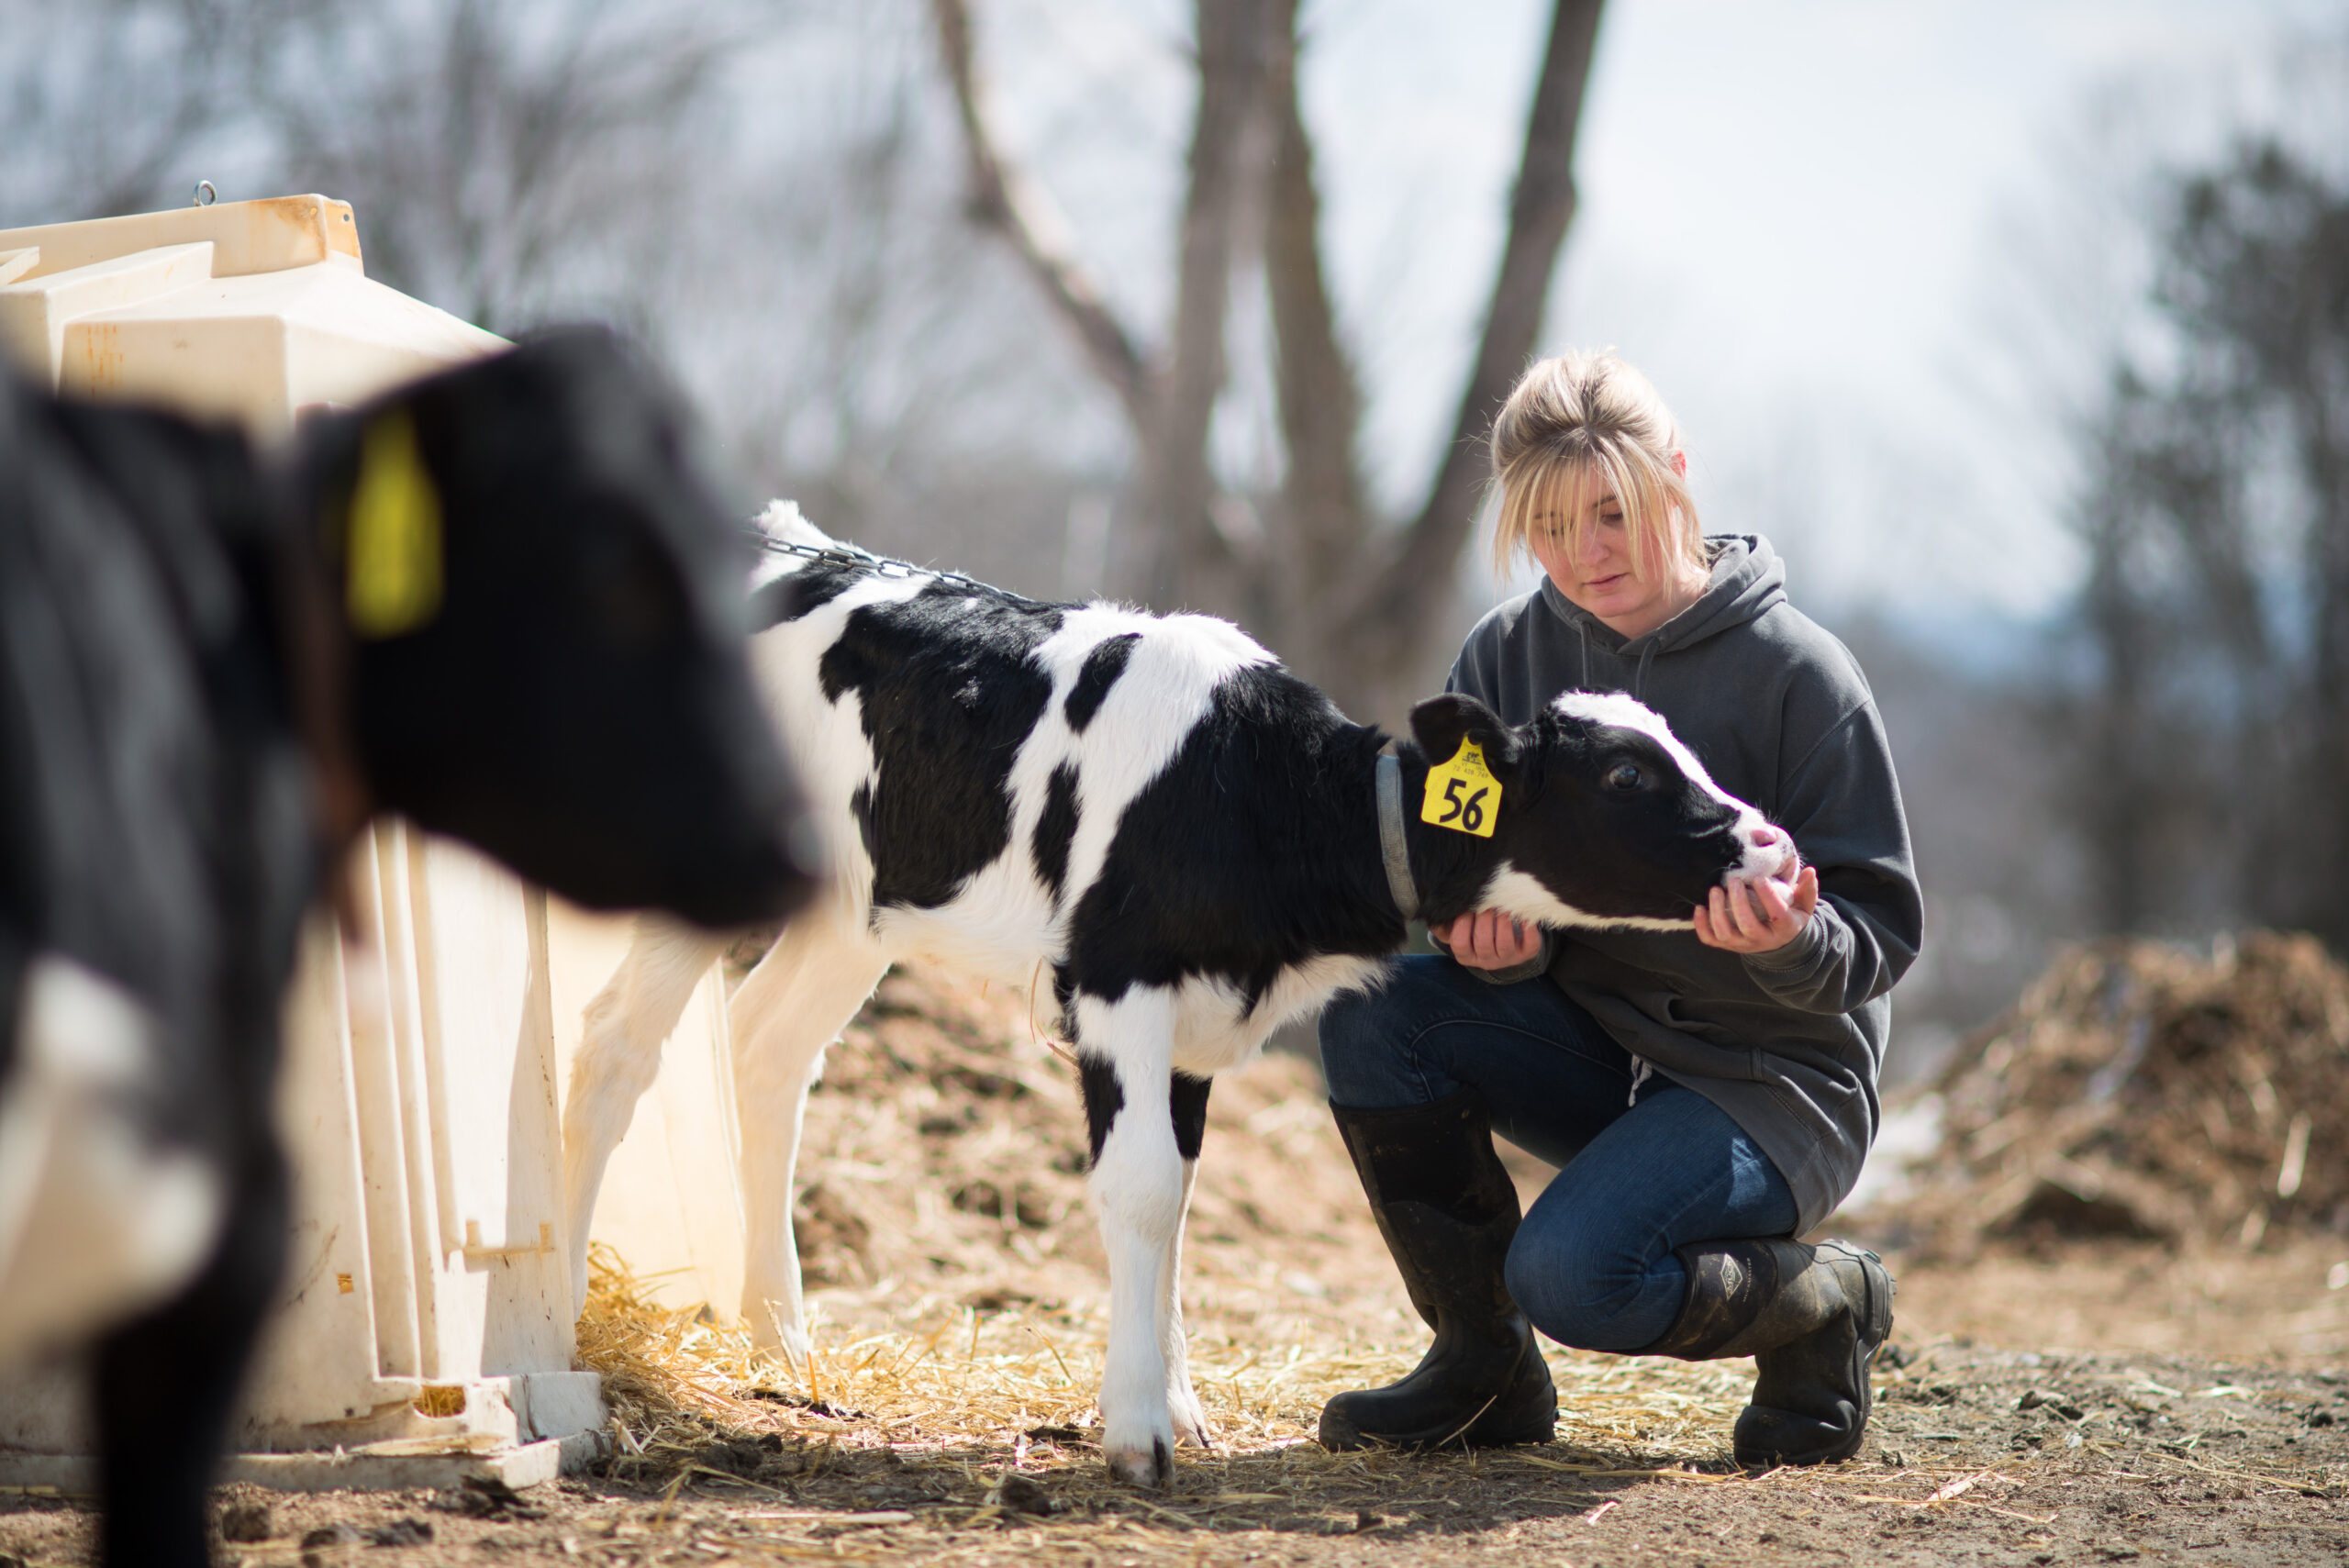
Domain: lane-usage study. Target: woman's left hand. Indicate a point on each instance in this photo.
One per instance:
(1758, 915)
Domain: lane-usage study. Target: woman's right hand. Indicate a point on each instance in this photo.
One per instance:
(1490, 939)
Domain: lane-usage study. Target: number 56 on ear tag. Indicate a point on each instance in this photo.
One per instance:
(1462, 794)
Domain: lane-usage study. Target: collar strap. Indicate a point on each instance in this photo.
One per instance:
(1392, 844)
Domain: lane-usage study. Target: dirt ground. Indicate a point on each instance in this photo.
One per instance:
(2098, 1403)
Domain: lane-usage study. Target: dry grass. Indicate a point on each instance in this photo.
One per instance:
(960, 1298)
(1022, 1383)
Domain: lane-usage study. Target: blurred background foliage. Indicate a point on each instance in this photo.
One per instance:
(1048, 290)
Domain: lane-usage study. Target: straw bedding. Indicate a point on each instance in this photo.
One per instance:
(947, 1413)
(961, 1296)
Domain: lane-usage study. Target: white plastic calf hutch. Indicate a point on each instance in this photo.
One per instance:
(423, 1331)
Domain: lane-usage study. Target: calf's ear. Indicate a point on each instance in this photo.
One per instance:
(1439, 724)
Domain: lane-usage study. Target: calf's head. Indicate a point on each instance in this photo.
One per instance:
(546, 644)
(1604, 818)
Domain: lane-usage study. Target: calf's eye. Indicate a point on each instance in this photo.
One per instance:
(1623, 776)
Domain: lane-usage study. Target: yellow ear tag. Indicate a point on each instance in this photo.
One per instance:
(1463, 794)
(394, 544)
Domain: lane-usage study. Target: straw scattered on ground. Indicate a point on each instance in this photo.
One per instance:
(960, 1345)
(947, 1414)
(960, 1292)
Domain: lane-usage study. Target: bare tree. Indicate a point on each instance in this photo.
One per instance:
(1352, 599)
(509, 160)
(2217, 526)
(121, 105)
(2258, 283)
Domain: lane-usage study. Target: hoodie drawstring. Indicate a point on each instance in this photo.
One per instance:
(1639, 677)
(1642, 1070)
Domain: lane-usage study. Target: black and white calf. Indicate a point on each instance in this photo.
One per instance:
(1187, 836)
(502, 603)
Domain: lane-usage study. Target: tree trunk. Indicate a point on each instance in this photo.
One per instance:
(2117, 801)
(1349, 601)
(2321, 829)
(1188, 565)
(1388, 629)
(1326, 527)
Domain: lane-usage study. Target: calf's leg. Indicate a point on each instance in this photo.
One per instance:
(619, 1055)
(1137, 1183)
(166, 1383)
(797, 1001)
(1187, 1102)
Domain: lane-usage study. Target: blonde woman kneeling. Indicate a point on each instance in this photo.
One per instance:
(1708, 1096)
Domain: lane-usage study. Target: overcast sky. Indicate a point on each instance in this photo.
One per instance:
(1806, 220)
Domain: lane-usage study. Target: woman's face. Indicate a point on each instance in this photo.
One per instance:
(1598, 571)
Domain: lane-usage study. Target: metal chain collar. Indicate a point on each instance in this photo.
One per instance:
(887, 566)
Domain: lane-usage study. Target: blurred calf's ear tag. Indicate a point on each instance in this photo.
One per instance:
(1462, 794)
(392, 552)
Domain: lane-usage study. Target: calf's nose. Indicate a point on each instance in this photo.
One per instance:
(1763, 841)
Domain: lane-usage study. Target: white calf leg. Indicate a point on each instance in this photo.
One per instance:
(793, 1004)
(619, 1055)
(1137, 1187)
(1182, 1408)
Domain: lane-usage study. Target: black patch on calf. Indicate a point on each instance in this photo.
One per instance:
(948, 692)
(798, 593)
(1104, 1099)
(1188, 1098)
(1255, 848)
(1651, 850)
(1055, 829)
(1654, 849)
(1101, 670)
(860, 806)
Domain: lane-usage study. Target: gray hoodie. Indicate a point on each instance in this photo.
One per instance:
(1789, 1043)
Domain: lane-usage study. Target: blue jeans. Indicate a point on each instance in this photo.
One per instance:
(1642, 1171)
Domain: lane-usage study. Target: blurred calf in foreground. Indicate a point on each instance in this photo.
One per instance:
(502, 603)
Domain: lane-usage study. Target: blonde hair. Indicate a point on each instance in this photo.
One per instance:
(1578, 426)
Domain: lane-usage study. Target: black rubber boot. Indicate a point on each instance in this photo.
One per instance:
(1811, 1317)
(1447, 1210)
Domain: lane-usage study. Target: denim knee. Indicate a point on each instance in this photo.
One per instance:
(1359, 1034)
(1593, 1297)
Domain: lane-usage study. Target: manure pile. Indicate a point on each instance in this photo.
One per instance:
(2138, 1091)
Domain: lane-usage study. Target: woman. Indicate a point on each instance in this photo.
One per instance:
(1708, 1094)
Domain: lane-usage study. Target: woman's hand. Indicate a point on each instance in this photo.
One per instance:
(1490, 939)
(1759, 914)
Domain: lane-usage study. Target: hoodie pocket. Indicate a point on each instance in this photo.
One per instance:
(1725, 1054)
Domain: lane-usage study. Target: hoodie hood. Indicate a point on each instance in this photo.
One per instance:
(1748, 579)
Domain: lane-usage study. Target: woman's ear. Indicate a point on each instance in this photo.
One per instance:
(1680, 464)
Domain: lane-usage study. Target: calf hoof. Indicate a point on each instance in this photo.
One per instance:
(1190, 1423)
(1153, 1467)
(785, 1342)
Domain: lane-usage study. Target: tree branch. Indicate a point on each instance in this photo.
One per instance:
(1400, 611)
(1320, 400)
(1005, 196)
